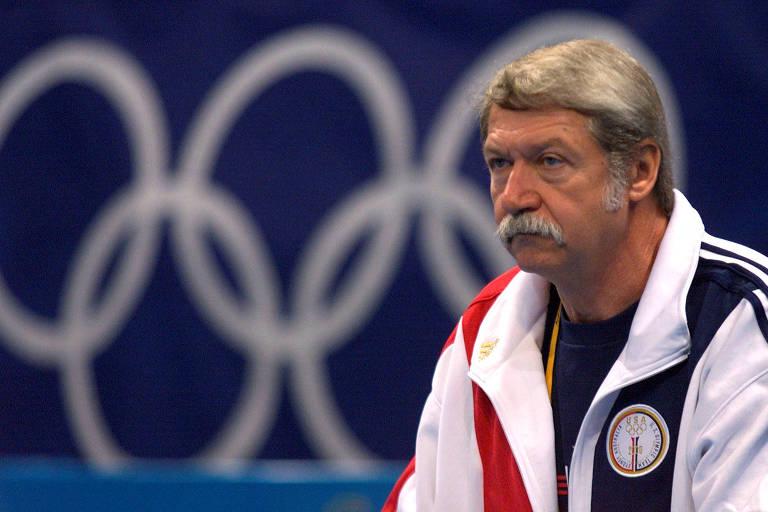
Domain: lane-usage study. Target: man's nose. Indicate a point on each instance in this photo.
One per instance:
(520, 192)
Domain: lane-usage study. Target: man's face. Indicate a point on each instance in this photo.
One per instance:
(549, 175)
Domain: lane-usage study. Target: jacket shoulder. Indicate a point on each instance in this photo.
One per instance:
(475, 312)
(492, 290)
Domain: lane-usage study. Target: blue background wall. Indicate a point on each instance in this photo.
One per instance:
(243, 230)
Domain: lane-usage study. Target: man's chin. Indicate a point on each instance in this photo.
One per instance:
(536, 258)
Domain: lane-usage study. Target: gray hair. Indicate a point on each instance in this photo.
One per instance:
(601, 82)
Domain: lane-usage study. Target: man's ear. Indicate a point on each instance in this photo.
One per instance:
(644, 170)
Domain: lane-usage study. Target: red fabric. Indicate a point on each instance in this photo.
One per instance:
(503, 487)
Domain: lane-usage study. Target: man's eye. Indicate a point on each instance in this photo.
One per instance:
(551, 161)
(497, 163)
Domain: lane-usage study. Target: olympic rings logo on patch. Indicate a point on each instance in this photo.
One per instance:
(638, 441)
(424, 186)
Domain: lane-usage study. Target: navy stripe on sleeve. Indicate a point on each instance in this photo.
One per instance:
(747, 289)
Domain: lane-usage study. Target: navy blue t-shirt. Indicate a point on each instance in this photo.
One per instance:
(584, 355)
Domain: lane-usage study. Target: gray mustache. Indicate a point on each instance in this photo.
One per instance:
(528, 224)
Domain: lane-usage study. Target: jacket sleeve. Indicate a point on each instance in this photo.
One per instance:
(402, 498)
(727, 445)
(445, 473)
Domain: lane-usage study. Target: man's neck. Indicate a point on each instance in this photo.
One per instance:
(609, 286)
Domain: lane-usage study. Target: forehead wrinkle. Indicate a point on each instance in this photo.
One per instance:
(493, 146)
(523, 146)
(549, 143)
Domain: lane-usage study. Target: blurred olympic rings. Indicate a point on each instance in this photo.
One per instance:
(429, 189)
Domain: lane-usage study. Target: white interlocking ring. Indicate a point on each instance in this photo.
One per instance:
(430, 190)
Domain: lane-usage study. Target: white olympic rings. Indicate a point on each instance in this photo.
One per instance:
(194, 205)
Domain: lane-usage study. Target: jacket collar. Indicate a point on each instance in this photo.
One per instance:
(659, 332)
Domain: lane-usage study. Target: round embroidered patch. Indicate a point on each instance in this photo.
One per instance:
(638, 440)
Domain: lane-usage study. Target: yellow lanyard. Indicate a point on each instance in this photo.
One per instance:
(552, 349)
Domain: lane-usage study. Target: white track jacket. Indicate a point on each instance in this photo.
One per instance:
(679, 423)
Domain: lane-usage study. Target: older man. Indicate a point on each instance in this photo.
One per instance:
(623, 365)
